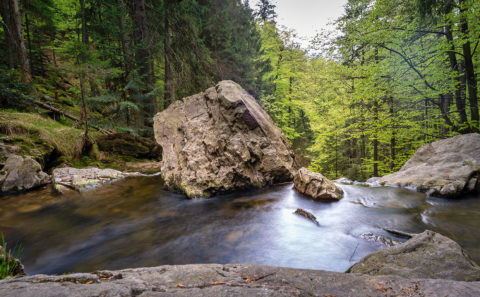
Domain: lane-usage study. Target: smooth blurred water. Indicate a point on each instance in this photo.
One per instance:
(135, 222)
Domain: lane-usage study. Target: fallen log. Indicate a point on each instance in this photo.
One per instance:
(67, 115)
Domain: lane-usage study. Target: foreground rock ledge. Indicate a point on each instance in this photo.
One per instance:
(316, 186)
(447, 168)
(425, 255)
(221, 140)
(229, 280)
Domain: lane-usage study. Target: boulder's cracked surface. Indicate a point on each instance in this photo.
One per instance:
(229, 280)
(316, 186)
(447, 168)
(221, 140)
(425, 255)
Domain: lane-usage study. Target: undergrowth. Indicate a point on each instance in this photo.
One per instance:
(8, 264)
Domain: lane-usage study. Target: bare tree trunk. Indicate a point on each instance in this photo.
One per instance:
(144, 60)
(5, 13)
(19, 41)
(169, 95)
(469, 70)
(86, 142)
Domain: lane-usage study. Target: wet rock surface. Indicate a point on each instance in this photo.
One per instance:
(128, 145)
(67, 178)
(425, 255)
(229, 280)
(316, 186)
(447, 168)
(21, 174)
(307, 215)
(221, 140)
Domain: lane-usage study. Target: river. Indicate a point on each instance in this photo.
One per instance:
(135, 222)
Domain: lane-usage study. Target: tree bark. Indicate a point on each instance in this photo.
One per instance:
(5, 14)
(144, 61)
(460, 90)
(469, 69)
(16, 22)
(169, 95)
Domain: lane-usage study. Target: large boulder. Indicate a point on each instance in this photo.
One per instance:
(447, 168)
(221, 140)
(229, 280)
(316, 186)
(21, 174)
(425, 255)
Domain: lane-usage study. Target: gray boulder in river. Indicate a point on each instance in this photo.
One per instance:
(221, 140)
(425, 255)
(447, 168)
(21, 174)
(316, 186)
(229, 280)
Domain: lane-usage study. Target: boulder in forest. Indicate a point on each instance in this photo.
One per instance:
(221, 140)
(316, 186)
(446, 168)
(425, 255)
(21, 174)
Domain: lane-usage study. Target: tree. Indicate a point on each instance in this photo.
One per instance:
(17, 33)
(266, 11)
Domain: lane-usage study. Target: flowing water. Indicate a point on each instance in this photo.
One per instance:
(135, 222)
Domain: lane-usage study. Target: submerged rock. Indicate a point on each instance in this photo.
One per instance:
(67, 178)
(316, 186)
(425, 255)
(221, 140)
(21, 174)
(229, 280)
(447, 168)
(307, 215)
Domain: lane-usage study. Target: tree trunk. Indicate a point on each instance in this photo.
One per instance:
(460, 90)
(169, 95)
(144, 61)
(5, 13)
(16, 22)
(469, 69)
(82, 76)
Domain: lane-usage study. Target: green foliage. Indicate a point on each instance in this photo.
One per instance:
(8, 264)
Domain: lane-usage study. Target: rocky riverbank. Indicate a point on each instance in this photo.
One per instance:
(429, 264)
(230, 280)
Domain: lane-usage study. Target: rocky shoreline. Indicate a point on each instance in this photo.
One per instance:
(230, 280)
(429, 264)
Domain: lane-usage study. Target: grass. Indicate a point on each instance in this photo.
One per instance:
(32, 129)
(8, 264)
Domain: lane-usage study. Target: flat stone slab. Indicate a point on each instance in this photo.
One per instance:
(229, 280)
(68, 178)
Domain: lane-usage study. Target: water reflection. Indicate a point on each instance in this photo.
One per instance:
(135, 223)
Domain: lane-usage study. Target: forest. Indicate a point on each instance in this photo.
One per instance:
(357, 102)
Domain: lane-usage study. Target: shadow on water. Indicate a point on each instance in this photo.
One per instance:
(135, 222)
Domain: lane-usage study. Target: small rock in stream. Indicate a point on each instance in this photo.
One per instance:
(307, 215)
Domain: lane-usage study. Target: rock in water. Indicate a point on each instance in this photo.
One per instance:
(22, 173)
(307, 215)
(425, 255)
(68, 178)
(221, 140)
(316, 186)
(447, 168)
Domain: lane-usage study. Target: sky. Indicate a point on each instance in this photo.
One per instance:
(306, 16)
